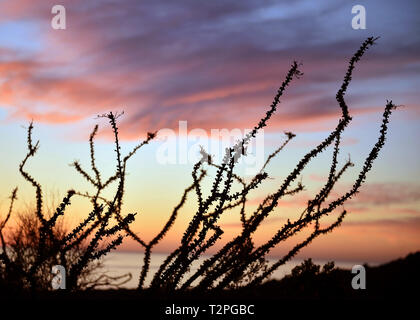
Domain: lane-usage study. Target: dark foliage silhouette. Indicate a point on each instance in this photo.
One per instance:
(77, 250)
(240, 262)
(23, 241)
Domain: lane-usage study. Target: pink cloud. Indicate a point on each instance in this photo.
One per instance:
(388, 193)
(162, 70)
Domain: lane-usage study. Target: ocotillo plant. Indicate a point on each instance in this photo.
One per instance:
(240, 262)
(27, 261)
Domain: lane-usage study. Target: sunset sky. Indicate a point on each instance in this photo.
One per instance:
(216, 65)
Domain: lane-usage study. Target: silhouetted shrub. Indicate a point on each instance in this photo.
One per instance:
(240, 262)
(39, 242)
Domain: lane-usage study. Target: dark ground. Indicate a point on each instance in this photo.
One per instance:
(308, 287)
